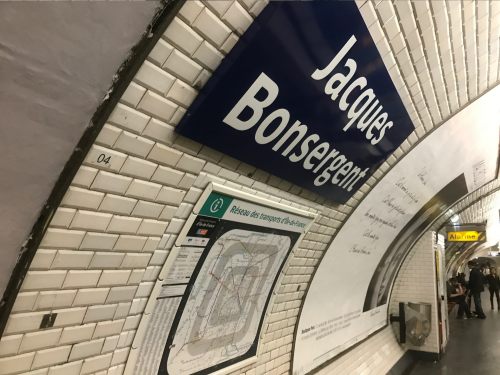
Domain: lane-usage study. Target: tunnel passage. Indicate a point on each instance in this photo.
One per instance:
(83, 302)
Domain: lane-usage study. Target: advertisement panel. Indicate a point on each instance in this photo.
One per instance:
(212, 301)
(367, 251)
(305, 96)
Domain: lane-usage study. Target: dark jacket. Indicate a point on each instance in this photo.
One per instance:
(476, 281)
(493, 281)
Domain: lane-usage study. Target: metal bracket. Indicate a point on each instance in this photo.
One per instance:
(402, 322)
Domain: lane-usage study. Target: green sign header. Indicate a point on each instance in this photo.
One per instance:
(216, 205)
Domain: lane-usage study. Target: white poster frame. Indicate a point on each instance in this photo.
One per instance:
(167, 266)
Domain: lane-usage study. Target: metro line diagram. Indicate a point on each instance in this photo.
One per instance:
(223, 312)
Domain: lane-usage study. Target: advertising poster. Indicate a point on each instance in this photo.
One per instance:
(304, 95)
(362, 261)
(212, 302)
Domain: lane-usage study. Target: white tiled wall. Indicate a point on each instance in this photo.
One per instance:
(113, 231)
(377, 355)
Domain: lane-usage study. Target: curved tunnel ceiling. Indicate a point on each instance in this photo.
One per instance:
(475, 207)
(422, 45)
(480, 207)
(57, 61)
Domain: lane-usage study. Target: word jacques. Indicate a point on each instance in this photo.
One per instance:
(295, 141)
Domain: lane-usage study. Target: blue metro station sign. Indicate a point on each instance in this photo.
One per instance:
(305, 96)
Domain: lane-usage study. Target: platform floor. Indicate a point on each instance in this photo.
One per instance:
(474, 346)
